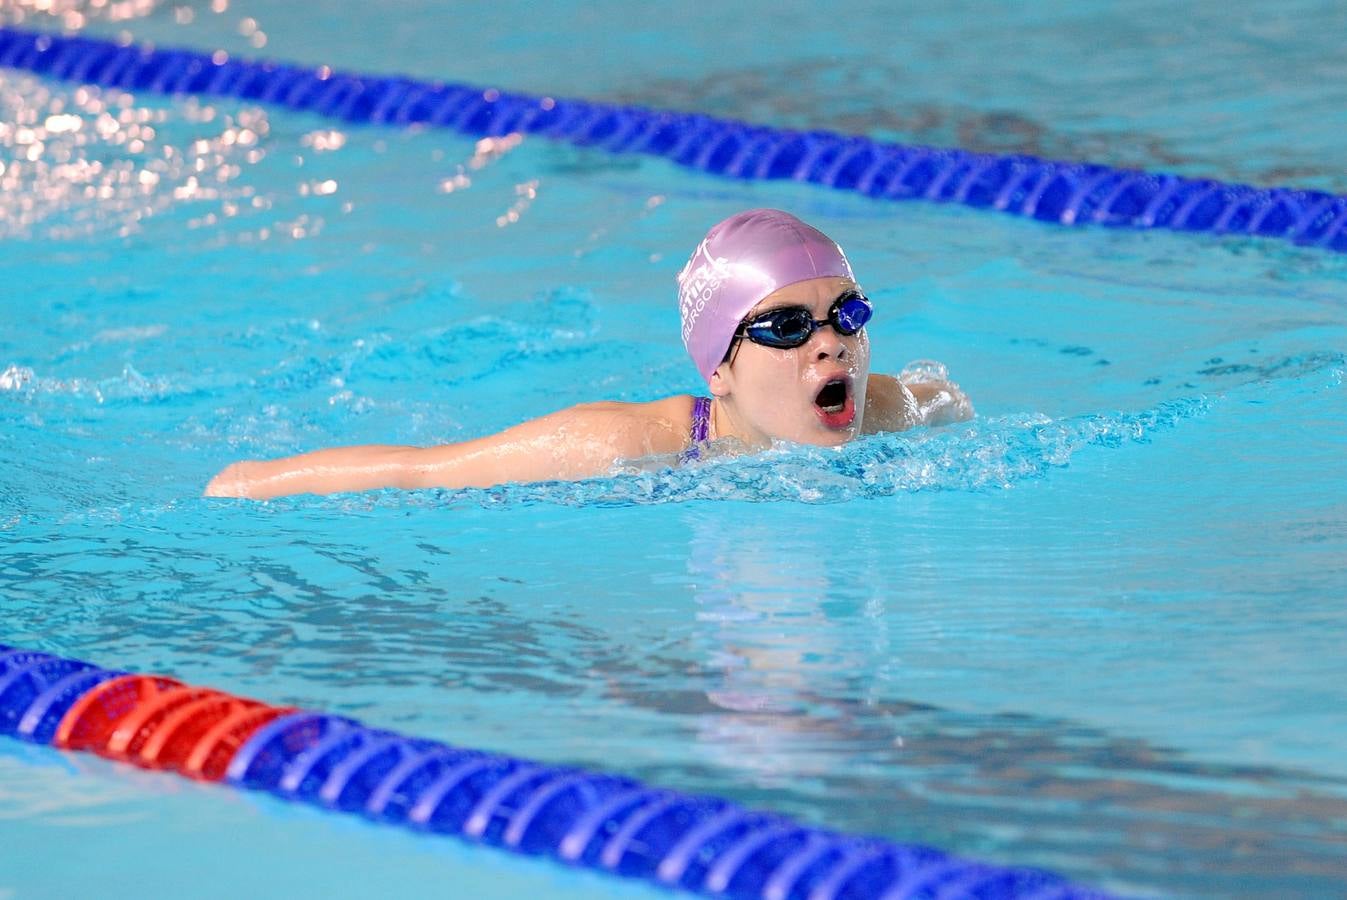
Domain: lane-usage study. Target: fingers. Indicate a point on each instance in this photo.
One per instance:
(231, 482)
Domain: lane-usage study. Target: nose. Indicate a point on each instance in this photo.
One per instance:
(828, 344)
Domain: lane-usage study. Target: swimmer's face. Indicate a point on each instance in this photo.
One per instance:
(811, 394)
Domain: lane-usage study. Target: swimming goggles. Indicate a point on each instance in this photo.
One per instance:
(793, 326)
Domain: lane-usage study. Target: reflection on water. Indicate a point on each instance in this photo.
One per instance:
(801, 671)
(76, 161)
(768, 644)
(725, 652)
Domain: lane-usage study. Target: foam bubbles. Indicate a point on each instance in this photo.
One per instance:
(987, 454)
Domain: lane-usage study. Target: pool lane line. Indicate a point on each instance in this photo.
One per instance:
(1066, 193)
(604, 822)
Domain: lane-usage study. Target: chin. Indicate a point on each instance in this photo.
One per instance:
(830, 437)
(837, 438)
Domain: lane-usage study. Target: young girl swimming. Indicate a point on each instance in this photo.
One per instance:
(773, 319)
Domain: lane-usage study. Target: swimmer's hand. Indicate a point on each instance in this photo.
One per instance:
(940, 402)
(234, 480)
(579, 442)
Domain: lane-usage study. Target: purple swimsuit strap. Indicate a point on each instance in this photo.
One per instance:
(701, 420)
(701, 428)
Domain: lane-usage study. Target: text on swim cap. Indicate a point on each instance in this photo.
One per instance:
(697, 284)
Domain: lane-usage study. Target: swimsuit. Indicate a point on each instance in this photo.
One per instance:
(701, 428)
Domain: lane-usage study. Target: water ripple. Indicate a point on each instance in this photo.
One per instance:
(981, 455)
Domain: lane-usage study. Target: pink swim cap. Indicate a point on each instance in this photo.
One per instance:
(739, 262)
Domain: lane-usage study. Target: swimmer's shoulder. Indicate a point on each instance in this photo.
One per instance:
(643, 429)
(896, 393)
(889, 405)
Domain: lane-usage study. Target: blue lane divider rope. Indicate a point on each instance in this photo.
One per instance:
(605, 822)
(1062, 192)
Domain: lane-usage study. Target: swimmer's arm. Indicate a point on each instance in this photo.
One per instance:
(895, 405)
(574, 443)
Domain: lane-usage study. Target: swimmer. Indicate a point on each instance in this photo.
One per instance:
(774, 320)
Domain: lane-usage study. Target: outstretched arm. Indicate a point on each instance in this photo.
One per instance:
(574, 443)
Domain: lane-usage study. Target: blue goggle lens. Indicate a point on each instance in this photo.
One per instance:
(850, 313)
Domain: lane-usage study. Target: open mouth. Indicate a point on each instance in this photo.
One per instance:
(833, 396)
(834, 403)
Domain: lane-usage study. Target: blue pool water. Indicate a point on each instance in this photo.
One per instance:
(1098, 629)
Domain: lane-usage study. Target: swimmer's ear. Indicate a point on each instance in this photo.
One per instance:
(719, 382)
